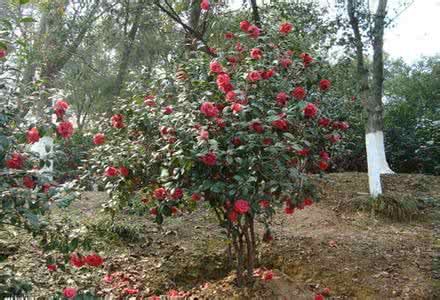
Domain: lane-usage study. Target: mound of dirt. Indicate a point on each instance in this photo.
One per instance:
(356, 255)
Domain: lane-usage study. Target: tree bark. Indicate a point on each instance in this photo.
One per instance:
(372, 96)
(123, 67)
(255, 13)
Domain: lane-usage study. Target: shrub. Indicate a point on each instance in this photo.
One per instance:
(242, 132)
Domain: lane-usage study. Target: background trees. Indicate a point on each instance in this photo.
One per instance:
(96, 53)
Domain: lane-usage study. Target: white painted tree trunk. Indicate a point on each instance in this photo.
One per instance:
(376, 160)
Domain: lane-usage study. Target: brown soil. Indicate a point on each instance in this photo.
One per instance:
(356, 255)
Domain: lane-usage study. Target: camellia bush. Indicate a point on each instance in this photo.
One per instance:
(29, 191)
(244, 131)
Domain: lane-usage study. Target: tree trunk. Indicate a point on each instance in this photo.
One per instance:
(123, 67)
(255, 13)
(372, 96)
(194, 19)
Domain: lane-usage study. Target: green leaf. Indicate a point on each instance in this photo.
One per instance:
(27, 20)
(3, 45)
(22, 2)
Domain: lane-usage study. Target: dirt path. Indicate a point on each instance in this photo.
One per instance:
(326, 245)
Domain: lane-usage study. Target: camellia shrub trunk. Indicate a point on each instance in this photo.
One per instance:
(240, 130)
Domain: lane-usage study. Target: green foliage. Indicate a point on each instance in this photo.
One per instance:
(412, 116)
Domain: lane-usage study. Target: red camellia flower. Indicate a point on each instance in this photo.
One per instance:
(319, 297)
(236, 141)
(60, 108)
(231, 96)
(343, 126)
(267, 141)
(324, 122)
(303, 152)
(310, 110)
(324, 84)
(177, 194)
(323, 165)
(239, 47)
(244, 25)
(223, 79)
(65, 129)
(334, 138)
(229, 35)
(160, 193)
(124, 171)
(282, 98)
(307, 59)
(203, 135)
(215, 67)
(286, 27)
(267, 74)
(94, 260)
(299, 93)
(204, 5)
(233, 216)
(256, 53)
(232, 59)
(131, 291)
(289, 210)
(254, 31)
(118, 121)
(308, 201)
(107, 278)
(209, 159)
(264, 203)
(153, 211)
(28, 182)
(111, 172)
(149, 100)
(281, 124)
(241, 206)
(236, 107)
(286, 62)
(209, 109)
(254, 76)
(326, 291)
(77, 261)
(52, 267)
(168, 110)
(257, 127)
(164, 130)
(15, 162)
(267, 237)
(268, 275)
(32, 135)
(324, 155)
(220, 122)
(99, 139)
(3, 53)
(46, 187)
(69, 293)
(173, 210)
(196, 197)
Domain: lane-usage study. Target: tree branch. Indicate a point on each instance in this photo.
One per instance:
(173, 15)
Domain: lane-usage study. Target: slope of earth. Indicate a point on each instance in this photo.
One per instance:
(331, 244)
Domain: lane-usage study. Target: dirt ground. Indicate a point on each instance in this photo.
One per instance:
(330, 244)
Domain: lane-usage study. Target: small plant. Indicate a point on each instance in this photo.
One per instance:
(395, 206)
